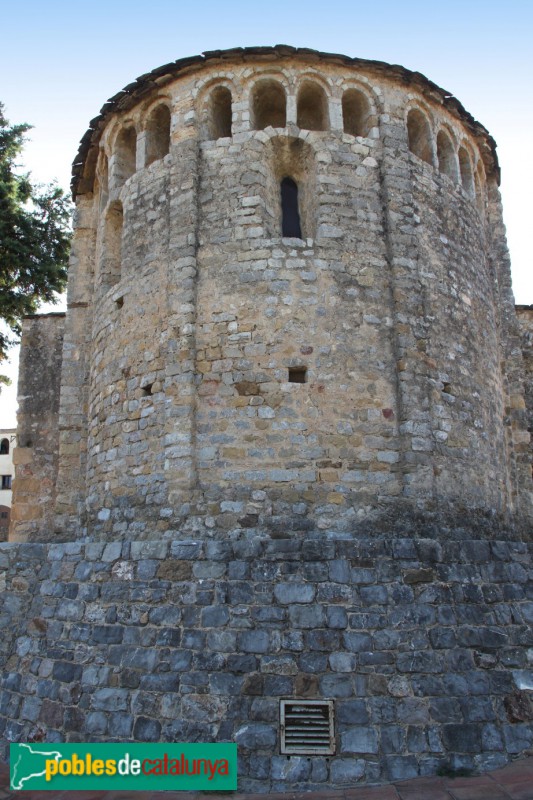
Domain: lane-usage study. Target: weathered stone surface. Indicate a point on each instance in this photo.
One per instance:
(359, 740)
(519, 706)
(347, 771)
(291, 770)
(462, 738)
(174, 570)
(147, 730)
(67, 672)
(255, 736)
(419, 576)
(287, 593)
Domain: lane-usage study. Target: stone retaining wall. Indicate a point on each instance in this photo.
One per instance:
(425, 647)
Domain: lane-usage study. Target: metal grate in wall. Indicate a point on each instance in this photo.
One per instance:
(307, 727)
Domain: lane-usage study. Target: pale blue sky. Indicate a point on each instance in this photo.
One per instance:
(60, 61)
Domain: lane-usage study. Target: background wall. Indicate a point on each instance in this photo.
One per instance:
(422, 645)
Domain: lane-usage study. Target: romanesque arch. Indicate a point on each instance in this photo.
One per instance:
(269, 105)
(312, 107)
(419, 135)
(158, 134)
(355, 112)
(219, 112)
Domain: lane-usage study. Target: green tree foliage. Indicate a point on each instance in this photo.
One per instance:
(34, 237)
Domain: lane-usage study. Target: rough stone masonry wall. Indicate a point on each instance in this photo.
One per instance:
(465, 406)
(176, 408)
(321, 303)
(426, 648)
(525, 320)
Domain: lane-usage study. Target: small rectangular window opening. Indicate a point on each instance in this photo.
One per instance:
(297, 374)
(290, 214)
(6, 481)
(307, 727)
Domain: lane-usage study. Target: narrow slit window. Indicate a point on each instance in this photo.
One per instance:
(290, 214)
(297, 374)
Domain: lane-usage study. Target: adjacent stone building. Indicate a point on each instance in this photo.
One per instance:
(274, 466)
(7, 442)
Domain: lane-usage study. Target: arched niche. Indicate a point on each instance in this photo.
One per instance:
(219, 113)
(111, 261)
(446, 156)
(419, 135)
(479, 184)
(88, 175)
(158, 134)
(355, 112)
(125, 152)
(312, 107)
(101, 186)
(465, 168)
(269, 105)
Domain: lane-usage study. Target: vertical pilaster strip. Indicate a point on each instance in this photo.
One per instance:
(180, 465)
(70, 502)
(409, 312)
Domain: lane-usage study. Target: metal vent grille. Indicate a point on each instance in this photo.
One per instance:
(307, 727)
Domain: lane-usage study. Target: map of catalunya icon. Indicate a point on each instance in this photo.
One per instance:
(28, 765)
